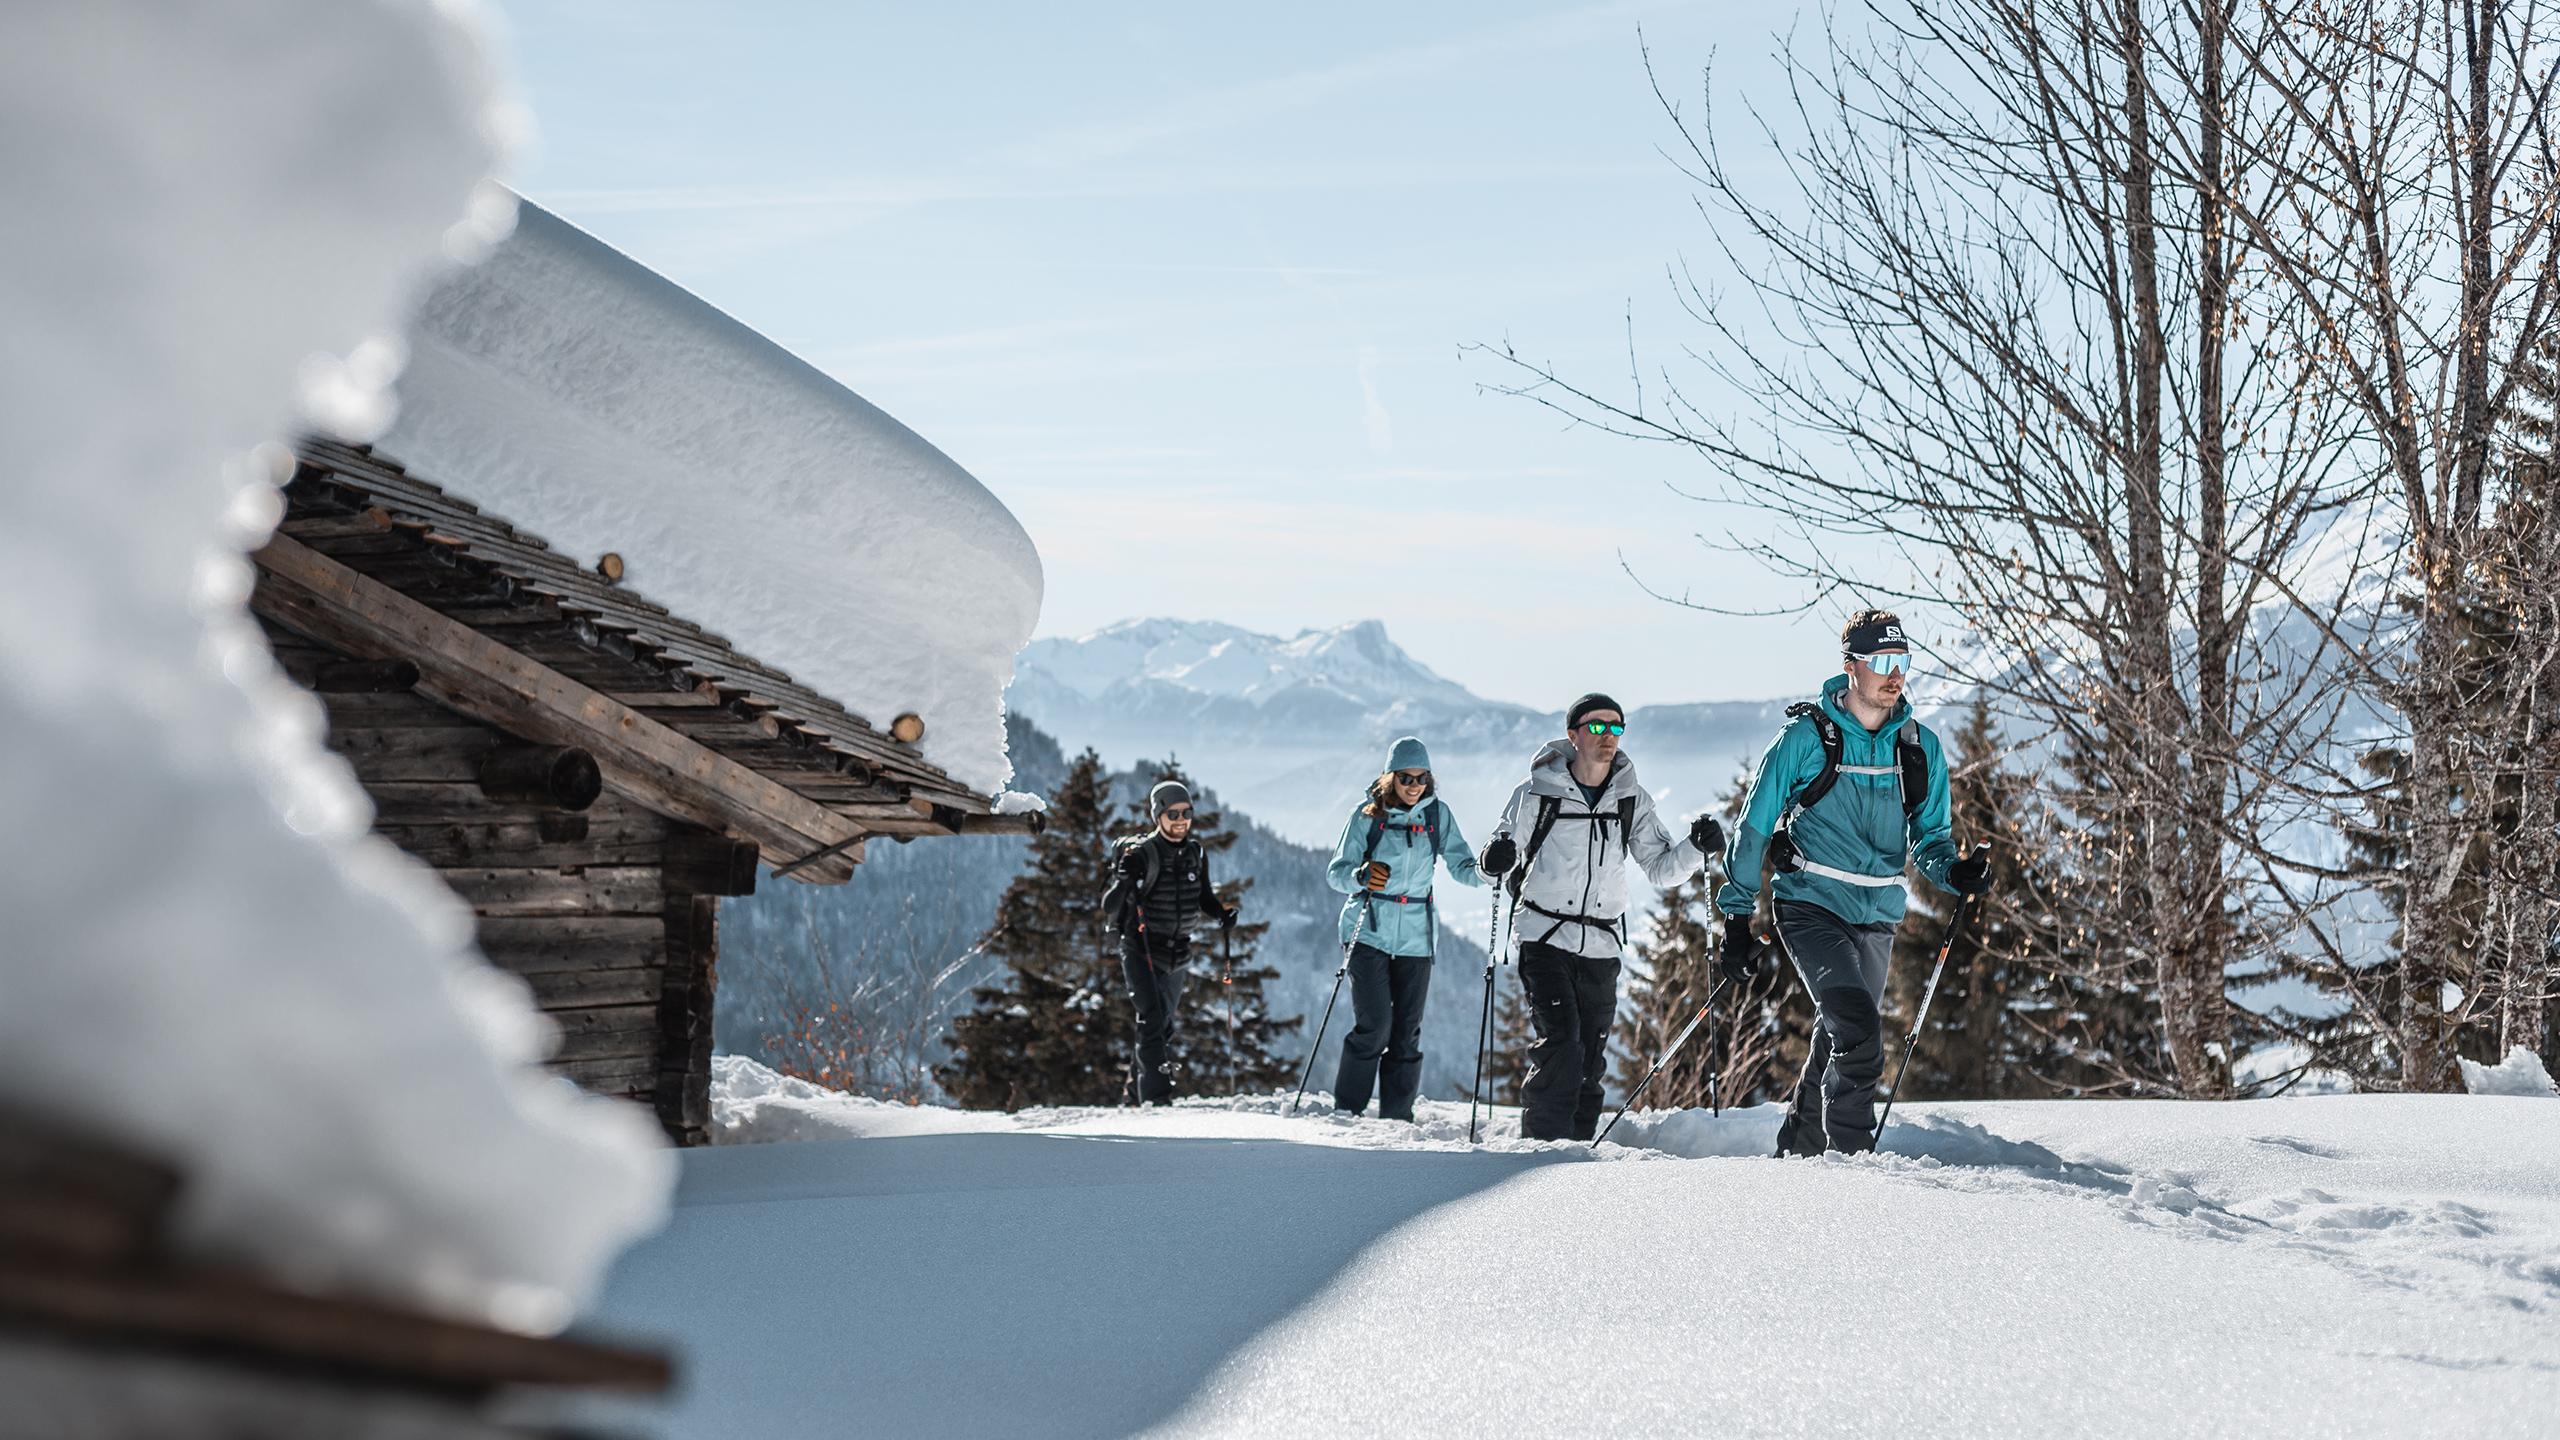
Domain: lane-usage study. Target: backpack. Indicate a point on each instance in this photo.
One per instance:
(1550, 810)
(1378, 827)
(1127, 895)
(1910, 761)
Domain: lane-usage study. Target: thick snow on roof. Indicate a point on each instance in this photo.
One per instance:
(592, 402)
(206, 957)
(2367, 1265)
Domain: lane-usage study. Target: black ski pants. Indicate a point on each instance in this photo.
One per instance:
(1155, 993)
(1572, 1003)
(1842, 966)
(1387, 996)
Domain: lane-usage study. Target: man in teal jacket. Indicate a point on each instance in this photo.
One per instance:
(1839, 848)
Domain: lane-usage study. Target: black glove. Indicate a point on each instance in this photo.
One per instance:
(1740, 959)
(1707, 835)
(1782, 853)
(1970, 875)
(1126, 862)
(1227, 920)
(1498, 857)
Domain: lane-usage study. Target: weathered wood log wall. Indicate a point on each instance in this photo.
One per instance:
(609, 913)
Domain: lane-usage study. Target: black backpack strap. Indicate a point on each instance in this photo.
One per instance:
(1548, 806)
(1627, 824)
(1914, 762)
(1828, 731)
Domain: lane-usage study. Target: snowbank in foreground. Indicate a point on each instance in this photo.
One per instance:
(2521, 1073)
(205, 955)
(2340, 1266)
(754, 1105)
(584, 397)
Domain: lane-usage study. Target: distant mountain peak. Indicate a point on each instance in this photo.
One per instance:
(1358, 661)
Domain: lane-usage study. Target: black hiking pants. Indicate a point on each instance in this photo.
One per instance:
(1155, 993)
(1572, 1003)
(1842, 966)
(1387, 996)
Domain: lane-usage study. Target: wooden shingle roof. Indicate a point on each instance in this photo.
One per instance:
(365, 512)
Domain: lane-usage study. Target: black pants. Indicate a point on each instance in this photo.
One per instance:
(1387, 996)
(1842, 966)
(1572, 1003)
(1155, 993)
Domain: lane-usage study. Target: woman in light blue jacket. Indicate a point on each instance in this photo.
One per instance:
(1391, 849)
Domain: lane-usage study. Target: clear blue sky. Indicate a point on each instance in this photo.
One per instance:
(1187, 287)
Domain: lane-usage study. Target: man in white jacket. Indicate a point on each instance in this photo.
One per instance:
(1577, 819)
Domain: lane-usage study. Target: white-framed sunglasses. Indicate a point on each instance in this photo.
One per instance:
(1887, 663)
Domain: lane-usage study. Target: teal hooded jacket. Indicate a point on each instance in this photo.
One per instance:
(1412, 863)
(1859, 827)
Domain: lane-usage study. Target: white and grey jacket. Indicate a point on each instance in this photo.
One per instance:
(1575, 896)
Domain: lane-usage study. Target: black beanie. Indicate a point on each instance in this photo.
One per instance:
(1588, 703)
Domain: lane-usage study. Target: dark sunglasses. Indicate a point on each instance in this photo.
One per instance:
(1596, 727)
(1413, 777)
(1177, 812)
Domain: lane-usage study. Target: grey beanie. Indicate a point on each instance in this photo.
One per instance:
(1166, 795)
(1409, 754)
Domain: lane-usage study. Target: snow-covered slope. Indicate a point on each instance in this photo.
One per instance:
(1293, 728)
(2349, 1266)
(595, 403)
(206, 957)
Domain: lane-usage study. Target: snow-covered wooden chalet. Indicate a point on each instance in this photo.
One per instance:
(627, 605)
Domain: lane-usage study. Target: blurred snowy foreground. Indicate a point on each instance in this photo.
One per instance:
(2331, 1266)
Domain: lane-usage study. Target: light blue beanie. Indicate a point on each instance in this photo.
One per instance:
(1409, 755)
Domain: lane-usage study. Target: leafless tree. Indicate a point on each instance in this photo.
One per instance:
(2000, 352)
(2409, 216)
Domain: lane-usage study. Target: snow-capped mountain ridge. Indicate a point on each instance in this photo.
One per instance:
(1357, 662)
(1292, 728)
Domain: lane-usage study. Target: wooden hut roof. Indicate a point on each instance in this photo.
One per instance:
(355, 516)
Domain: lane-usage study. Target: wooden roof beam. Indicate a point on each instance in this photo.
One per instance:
(466, 670)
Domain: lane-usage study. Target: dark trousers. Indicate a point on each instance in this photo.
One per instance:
(1572, 1003)
(1842, 966)
(1155, 992)
(1387, 996)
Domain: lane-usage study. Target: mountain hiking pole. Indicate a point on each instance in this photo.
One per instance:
(1484, 1032)
(1713, 996)
(1227, 987)
(1910, 1042)
(1320, 1029)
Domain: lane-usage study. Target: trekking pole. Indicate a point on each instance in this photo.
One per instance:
(1694, 1021)
(1910, 1042)
(1310, 1071)
(1227, 940)
(1484, 1031)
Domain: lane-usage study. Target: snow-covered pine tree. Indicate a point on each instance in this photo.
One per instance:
(1223, 1033)
(1056, 1031)
(2083, 1007)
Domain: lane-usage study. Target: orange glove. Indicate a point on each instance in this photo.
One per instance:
(1376, 879)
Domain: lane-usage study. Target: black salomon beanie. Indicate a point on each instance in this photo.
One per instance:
(1588, 703)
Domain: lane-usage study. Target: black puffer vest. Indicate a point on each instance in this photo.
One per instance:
(1181, 879)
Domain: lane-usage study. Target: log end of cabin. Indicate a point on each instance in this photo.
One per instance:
(907, 729)
(560, 777)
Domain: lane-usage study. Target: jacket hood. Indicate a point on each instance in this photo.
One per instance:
(1551, 770)
(1835, 698)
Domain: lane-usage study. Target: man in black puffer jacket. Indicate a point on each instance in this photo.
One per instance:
(1159, 885)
